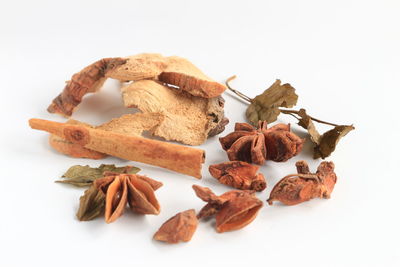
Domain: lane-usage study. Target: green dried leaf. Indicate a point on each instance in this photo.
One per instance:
(329, 140)
(91, 204)
(325, 144)
(265, 107)
(85, 175)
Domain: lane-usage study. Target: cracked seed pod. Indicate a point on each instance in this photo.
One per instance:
(255, 145)
(303, 186)
(233, 210)
(239, 174)
(179, 228)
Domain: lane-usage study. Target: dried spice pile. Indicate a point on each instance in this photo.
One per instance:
(178, 102)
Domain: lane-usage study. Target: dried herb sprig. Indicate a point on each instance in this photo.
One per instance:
(268, 106)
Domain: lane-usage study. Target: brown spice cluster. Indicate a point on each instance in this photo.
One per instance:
(255, 145)
(233, 210)
(303, 186)
(239, 174)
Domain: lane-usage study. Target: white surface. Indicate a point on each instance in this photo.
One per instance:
(341, 56)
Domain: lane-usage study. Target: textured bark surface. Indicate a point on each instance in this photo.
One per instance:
(179, 228)
(88, 80)
(73, 150)
(182, 73)
(184, 118)
(174, 157)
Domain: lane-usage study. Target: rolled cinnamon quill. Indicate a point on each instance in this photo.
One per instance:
(178, 158)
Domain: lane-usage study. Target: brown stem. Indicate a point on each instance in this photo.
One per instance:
(285, 111)
(291, 112)
(239, 94)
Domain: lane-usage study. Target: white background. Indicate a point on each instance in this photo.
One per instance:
(341, 56)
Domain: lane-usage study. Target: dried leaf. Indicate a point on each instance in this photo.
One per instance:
(265, 107)
(91, 205)
(329, 140)
(324, 144)
(85, 175)
(180, 227)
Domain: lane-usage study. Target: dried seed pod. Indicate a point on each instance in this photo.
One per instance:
(234, 209)
(238, 174)
(297, 188)
(255, 145)
(120, 189)
(179, 228)
(237, 212)
(91, 204)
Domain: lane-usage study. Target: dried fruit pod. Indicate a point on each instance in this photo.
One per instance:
(237, 212)
(297, 188)
(238, 174)
(179, 228)
(136, 190)
(255, 145)
(233, 210)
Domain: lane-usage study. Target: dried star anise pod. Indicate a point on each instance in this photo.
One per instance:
(252, 145)
(303, 186)
(238, 174)
(179, 228)
(111, 193)
(233, 210)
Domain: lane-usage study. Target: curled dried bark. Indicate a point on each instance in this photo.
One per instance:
(239, 174)
(172, 70)
(303, 186)
(233, 210)
(255, 145)
(136, 190)
(179, 228)
(183, 117)
(88, 80)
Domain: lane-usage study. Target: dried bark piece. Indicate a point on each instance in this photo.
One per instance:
(174, 157)
(91, 204)
(233, 210)
(122, 189)
(179, 228)
(133, 124)
(139, 67)
(238, 174)
(172, 70)
(182, 73)
(255, 145)
(297, 188)
(88, 80)
(73, 150)
(185, 118)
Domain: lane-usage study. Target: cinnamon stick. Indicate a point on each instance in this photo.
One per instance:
(181, 159)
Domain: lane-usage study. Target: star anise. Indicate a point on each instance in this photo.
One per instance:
(255, 145)
(118, 190)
